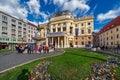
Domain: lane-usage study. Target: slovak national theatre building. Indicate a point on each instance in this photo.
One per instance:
(64, 30)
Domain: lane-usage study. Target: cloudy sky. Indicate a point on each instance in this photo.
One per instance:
(39, 11)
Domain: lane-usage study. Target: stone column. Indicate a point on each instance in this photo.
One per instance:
(61, 29)
(51, 29)
(67, 27)
(47, 41)
(61, 43)
(55, 43)
(56, 28)
(67, 41)
(58, 42)
(52, 40)
(64, 42)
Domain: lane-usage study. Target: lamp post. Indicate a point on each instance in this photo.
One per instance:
(22, 40)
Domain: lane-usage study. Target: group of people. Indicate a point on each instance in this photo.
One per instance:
(32, 49)
(35, 49)
(20, 48)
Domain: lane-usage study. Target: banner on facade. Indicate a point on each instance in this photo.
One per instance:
(76, 32)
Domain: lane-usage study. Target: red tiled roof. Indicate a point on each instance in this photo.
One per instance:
(114, 23)
(29, 23)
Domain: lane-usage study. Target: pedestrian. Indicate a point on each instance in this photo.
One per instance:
(44, 50)
(32, 48)
(29, 52)
(40, 49)
(35, 48)
(46, 47)
(17, 48)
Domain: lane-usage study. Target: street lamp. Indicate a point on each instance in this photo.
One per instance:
(22, 40)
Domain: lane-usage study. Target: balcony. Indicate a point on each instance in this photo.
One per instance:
(14, 28)
(4, 31)
(13, 33)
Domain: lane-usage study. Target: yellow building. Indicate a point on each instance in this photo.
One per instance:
(64, 30)
(109, 35)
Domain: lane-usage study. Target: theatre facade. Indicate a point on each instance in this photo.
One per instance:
(64, 30)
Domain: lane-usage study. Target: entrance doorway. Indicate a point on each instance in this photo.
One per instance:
(71, 45)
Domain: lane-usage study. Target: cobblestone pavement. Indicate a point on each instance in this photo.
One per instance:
(10, 60)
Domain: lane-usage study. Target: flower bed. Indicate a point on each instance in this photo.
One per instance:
(40, 72)
(105, 70)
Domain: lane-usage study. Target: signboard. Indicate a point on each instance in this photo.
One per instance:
(54, 34)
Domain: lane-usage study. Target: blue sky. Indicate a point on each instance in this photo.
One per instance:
(39, 11)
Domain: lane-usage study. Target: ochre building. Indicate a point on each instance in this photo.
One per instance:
(64, 30)
(109, 35)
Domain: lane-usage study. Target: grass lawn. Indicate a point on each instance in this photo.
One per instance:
(74, 64)
(6, 51)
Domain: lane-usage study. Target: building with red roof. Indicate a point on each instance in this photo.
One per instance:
(109, 35)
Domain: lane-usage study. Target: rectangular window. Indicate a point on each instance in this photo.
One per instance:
(117, 36)
(88, 23)
(53, 30)
(64, 28)
(13, 20)
(24, 25)
(76, 43)
(82, 43)
(82, 24)
(89, 37)
(111, 31)
(117, 29)
(4, 18)
(82, 38)
(89, 42)
(19, 23)
(107, 38)
(4, 23)
(76, 25)
(107, 43)
(111, 43)
(111, 37)
(82, 31)
(89, 31)
(4, 28)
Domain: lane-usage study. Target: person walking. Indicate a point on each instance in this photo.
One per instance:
(29, 52)
(40, 49)
(44, 50)
(36, 48)
(46, 47)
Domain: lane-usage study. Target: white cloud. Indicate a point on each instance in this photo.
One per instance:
(46, 21)
(34, 22)
(13, 8)
(59, 2)
(96, 30)
(76, 4)
(44, 15)
(34, 6)
(109, 15)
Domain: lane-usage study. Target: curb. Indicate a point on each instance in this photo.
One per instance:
(29, 62)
